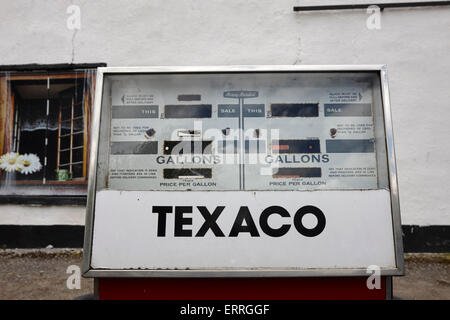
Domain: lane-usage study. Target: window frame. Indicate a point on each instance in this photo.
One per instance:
(37, 72)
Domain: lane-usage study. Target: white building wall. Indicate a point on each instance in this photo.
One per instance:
(414, 43)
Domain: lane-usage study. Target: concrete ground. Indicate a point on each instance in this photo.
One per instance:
(42, 274)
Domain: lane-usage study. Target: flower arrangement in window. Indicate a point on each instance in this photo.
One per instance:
(27, 163)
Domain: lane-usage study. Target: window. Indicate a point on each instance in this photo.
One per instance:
(44, 132)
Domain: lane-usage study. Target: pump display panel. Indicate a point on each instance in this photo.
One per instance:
(284, 170)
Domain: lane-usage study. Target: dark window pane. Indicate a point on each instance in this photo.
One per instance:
(78, 110)
(65, 143)
(78, 125)
(52, 136)
(53, 113)
(66, 113)
(78, 139)
(33, 127)
(64, 157)
(77, 155)
(77, 171)
(65, 128)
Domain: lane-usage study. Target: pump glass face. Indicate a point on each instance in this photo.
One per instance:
(243, 131)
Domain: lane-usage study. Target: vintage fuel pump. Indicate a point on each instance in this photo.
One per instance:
(246, 182)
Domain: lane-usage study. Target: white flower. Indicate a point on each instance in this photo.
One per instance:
(30, 163)
(10, 162)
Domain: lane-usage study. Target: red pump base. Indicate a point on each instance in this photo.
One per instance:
(329, 288)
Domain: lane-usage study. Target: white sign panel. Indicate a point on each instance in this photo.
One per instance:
(240, 230)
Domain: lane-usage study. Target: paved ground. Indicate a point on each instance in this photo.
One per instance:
(41, 274)
(427, 277)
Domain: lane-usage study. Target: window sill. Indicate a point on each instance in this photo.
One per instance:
(48, 182)
(44, 200)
